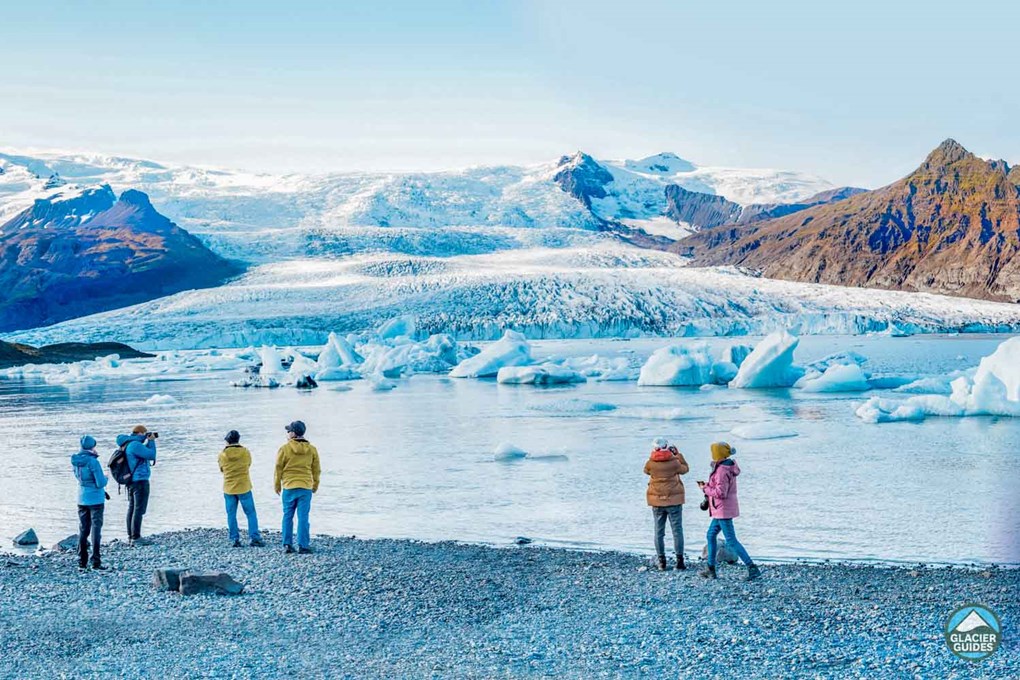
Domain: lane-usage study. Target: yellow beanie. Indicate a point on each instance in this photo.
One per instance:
(721, 451)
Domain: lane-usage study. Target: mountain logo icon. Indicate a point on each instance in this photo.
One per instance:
(973, 632)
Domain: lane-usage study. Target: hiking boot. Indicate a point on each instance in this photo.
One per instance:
(288, 549)
(660, 563)
(141, 541)
(82, 566)
(237, 544)
(256, 543)
(305, 551)
(753, 572)
(680, 564)
(708, 572)
(99, 567)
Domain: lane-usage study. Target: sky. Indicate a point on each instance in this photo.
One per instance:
(857, 93)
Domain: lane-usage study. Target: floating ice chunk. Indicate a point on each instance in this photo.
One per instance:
(735, 354)
(575, 406)
(436, 355)
(511, 350)
(507, 452)
(848, 358)
(300, 365)
(770, 364)
(257, 380)
(337, 374)
(837, 378)
(660, 414)
(763, 431)
(603, 369)
(992, 389)
(930, 385)
(723, 372)
(271, 361)
(380, 383)
(160, 400)
(678, 366)
(395, 328)
(546, 374)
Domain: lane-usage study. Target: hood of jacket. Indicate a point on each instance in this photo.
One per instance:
(123, 439)
(299, 448)
(81, 459)
(730, 467)
(660, 455)
(234, 452)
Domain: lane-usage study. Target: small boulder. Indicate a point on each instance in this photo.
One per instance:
(69, 544)
(168, 578)
(723, 553)
(210, 583)
(27, 538)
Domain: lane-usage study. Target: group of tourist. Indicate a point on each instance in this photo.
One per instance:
(297, 478)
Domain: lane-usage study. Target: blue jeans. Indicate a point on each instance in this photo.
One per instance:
(675, 514)
(299, 500)
(726, 527)
(247, 502)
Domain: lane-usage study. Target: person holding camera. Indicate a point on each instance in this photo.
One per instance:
(140, 447)
(665, 495)
(721, 502)
(92, 499)
(296, 479)
(235, 463)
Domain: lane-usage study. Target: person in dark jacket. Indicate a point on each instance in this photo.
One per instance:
(91, 501)
(140, 447)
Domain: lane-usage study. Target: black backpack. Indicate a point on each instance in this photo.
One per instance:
(120, 468)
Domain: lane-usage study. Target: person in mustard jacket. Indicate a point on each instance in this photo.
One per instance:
(665, 495)
(235, 461)
(297, 478)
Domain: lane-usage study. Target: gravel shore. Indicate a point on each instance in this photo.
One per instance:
(403, 609)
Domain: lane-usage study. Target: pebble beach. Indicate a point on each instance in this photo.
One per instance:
(405, 609)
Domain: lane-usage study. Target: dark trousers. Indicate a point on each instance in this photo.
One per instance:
(138, 502)
(675, 514)
(90, 525)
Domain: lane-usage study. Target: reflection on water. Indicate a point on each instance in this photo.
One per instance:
(418, 461)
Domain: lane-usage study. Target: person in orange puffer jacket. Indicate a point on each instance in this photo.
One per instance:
(666, 497)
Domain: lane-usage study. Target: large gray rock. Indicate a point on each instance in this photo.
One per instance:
(210, 583)
(27, 538)
(724, 554)
(166, 578)
(69, 544)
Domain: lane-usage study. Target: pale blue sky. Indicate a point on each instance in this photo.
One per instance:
(857, 93)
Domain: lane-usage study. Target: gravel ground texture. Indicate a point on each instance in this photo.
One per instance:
(404, 609)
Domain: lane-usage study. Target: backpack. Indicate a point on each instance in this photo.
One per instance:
(120, 468)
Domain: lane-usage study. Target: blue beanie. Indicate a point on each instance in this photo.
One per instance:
(88, 442)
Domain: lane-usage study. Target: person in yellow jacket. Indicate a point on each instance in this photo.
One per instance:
(297, 478)
(235, 461)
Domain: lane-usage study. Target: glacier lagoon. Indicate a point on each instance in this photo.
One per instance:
(419, 461)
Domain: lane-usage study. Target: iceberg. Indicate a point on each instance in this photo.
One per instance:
(837, 378)
(993, 389)
(678, 366)
(545, 374)
(770, 364)
(402, 326)
(272, 364)
(507, 452)
(511, 350)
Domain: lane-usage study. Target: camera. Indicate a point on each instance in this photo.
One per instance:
(152, 435)
(704, 504)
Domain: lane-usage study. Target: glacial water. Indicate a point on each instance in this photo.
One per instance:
(417, 461)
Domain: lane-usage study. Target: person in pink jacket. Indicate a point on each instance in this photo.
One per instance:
(721, 494)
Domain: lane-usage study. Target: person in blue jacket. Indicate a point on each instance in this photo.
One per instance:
(91, 501)
(140, 447)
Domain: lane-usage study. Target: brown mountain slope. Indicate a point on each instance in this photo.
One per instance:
(952, 226)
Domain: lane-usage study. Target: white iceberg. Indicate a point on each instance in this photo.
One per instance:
(511, 350)
(272, 364)
(837, 378)
(770, 364)
(545, 374)
(506, 452)
(993, 389)
(395, 328)
(160, 400)
(678, 366)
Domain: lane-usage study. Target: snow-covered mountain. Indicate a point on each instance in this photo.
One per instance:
(602, 290)
(213, 203)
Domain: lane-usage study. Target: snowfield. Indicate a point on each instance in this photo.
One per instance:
(610, 290)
